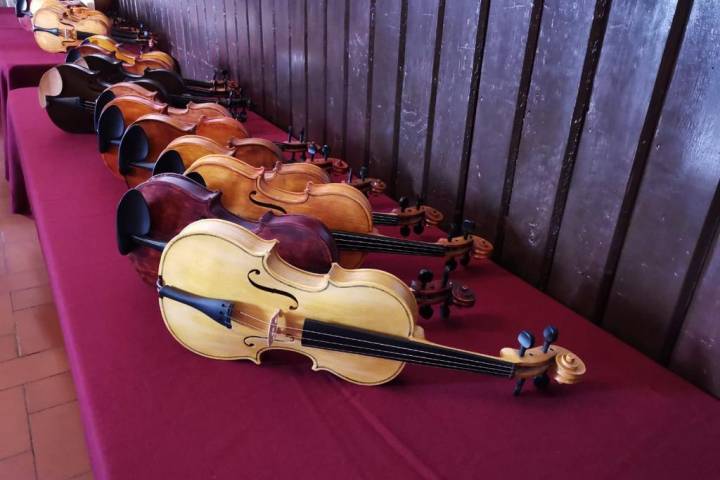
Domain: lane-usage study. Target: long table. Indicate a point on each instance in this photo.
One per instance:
(153, 409)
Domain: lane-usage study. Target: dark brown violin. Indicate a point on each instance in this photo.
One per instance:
(145, 138)
(155, 211)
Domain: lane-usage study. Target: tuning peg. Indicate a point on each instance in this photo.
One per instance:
(419, 227)
(425, 276)
(302, 135)
(425, 311)
(403, 202)
(325, 151)
(420, 201)
(290, 133)
(550, 334)
(526, 340)
(445, 311)
(312, 150)
(349, 175)
(468, 227)
(363, 172)
(451, 231)
(446, 275)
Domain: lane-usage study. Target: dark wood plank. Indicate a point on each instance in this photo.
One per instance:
(357, 84)
(244, 65)
(256, 81)
(553, 91)
(384, 89)
(187, 64)
(282, 45)
(499, 83)
(453, 92)
(420, 42)
(297, 64)
(696, 356)
(631, 52)
(267, 14)
(677, 187)
(336, 74)
(317, 100)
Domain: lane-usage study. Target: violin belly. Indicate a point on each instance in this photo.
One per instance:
(214, 267)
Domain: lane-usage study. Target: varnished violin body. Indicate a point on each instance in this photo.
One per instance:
(149, 135)
(58, 28)
(226, 294)
(131, 62)
(248, 192)
(161, 207)
(69, 93)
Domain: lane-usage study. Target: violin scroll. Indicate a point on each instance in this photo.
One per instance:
(430, 292)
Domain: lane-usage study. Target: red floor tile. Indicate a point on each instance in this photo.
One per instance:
(32, 367)
(7, 323)
(30, 297)
(58, 443)
(37, 329)
(21, 280)
(19, 467)
(8, 347)
(49, 392)
(23, 255)
(14, 434)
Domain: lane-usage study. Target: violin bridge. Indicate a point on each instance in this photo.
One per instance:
(273, 327)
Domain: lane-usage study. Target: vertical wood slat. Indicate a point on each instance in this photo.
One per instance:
(414, 106)
(335, 87)
(297, 64)
(623, 85)
(556, 76)
(267, 14)
(453, 93)
(499, 84)
(254, 80)
(315, 63)
(284, 85)
(675, 194)
(382, 132)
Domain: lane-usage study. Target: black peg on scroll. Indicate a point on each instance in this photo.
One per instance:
(468, 227)
(312, 150)
(404, 203)
(419, 227)
(303, 157)
(550, 335)
(363, 172)
(452, 263)
(445, 308)
(526, 340)
(424, 277)
(325, 151)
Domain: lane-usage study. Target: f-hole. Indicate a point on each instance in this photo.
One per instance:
(263, 204)
(275, 291)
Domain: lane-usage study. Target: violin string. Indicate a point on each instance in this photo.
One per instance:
(498, 365)
(371, 247)
(369, 241)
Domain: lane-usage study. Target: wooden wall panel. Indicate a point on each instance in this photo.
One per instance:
(631, 54)
(389, 35)
(499, 82)
(453, 91)
(555, 82)
(417, 87)
(564, 129)
(677, 188)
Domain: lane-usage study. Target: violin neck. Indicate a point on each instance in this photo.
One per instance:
(328, 336)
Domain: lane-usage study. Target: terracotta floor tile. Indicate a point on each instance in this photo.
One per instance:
(49, 392)
(59, 443)
(17, 228)
(23, 255)
(8, 347)
(25, 279)
(7, 323)
(19, 467)
(31, 297)
(32, 367)
(14, 434)
(84, 476)
(37, 329)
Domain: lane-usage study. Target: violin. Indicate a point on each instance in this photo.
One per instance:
(57, 28)
(152, 213)
(69, 94)
(343, 209)
(226, 294)
(131, 62)
(145, 138)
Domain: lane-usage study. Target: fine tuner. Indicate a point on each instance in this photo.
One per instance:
(360, 325)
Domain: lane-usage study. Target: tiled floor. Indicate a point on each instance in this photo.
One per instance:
(41, 436)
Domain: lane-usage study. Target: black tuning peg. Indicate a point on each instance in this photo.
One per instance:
(312, 150)
(403, 202)
(550, 334)
(363, 172)
(426, 311)
(446, 275)
(526, 340)
(290, 133)
(425, 276)
(419, 227)
(451, 231)
(325, 151)
(468, 227)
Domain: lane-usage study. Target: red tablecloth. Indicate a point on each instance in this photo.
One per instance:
(8, 18)
(154, 410)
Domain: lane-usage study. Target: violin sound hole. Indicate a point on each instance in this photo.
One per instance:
(256, 273)
(263, 204)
